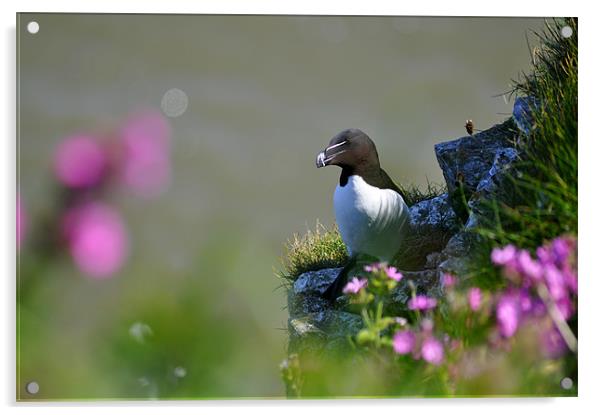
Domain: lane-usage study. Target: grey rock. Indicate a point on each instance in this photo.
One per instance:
(522, 113)
(458, 253)
(306, 294)
(315, 282)
(468, 159)
(490, 185)
(433, 260)
(299, 305)
(323, 330)
(436, 212)
(502, 162)
(459, 245)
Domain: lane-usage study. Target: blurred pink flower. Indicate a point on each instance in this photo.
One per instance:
(555, 281)
(508, 314)
(146, 166)
(529, 267)
(355, 285)
(503, 256)
(80, 162)
(377, 266)
(474, 298)
(403, 341)
(449, 280)
(393, 273)
(97, 239)
(422, 302)
(432, 351)
(21, 221)
(562, 248)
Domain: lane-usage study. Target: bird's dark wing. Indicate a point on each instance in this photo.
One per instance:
(387, 183)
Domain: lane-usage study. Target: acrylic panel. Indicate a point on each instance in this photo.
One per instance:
(254, 206)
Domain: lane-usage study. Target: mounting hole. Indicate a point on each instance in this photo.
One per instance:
(179, 372)
(33, 27)
(174, 102)
(32, 388)
(566, 32)
(566, 383)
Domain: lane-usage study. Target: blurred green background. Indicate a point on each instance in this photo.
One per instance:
(265, 93)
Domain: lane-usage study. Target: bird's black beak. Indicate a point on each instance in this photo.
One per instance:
(324, 158)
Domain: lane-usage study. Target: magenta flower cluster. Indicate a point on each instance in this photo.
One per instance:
(135, 156)
(421, 345)
(355, 285)
(390, 272)
(539, 286)
(422, 303)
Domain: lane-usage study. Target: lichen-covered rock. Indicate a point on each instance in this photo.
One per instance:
(305, 296)
(467, 160)
(502, 161)
(490, 184)
(315, 282)
(433, 213)
(326, 329)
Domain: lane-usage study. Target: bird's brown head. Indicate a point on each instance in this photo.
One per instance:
(349, 149)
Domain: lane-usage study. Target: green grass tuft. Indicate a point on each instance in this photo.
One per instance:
(414, 194)
(317, 249)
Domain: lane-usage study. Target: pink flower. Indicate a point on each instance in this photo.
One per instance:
(146, 164)
(422, 302)
(570, 279)
(393, 274)
(474, 298)
(21, 221)
(562, 249)
(371, 268)
(503, 256)
(97, 239)
(355, 285)
(555, 282)
(432, 351)
(530, 305)
(403, 341)
(544, 255)
(508, 314)
(528, 266)
(376, 267)
(80, 162)
(449, 280)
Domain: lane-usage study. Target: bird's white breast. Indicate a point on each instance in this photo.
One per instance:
(372, 221)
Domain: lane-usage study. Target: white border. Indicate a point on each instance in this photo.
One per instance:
(590, 287)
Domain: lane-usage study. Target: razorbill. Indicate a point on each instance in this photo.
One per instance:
(369, 207)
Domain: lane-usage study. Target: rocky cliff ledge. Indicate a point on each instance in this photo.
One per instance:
(472, 167)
